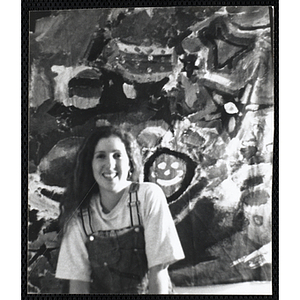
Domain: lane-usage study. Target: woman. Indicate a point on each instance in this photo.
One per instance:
(119, 236)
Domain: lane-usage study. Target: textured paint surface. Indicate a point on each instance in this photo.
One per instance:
(194, 85)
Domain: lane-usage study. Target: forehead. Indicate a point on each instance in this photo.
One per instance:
(111, 143)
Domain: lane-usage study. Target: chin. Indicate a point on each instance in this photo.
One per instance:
(114, 186)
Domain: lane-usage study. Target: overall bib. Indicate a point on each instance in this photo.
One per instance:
(118, 259)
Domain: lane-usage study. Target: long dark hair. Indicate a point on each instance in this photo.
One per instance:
(82, 184)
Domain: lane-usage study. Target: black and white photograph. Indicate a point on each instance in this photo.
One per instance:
(151, 150)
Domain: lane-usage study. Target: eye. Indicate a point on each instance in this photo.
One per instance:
(100, 156)
(175, 165)
(162, 165)
(117, 155)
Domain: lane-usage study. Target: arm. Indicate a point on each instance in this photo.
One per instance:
(158, 280)
(73, 260)
(162, 242)
(79, 287)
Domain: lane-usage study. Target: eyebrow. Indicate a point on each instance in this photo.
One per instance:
(103, 151)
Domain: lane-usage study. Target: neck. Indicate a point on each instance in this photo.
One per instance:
(109, 199)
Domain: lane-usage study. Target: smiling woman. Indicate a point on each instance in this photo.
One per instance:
(119, 235)
(110, 169)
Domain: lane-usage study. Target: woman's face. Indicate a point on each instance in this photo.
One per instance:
(110, 164)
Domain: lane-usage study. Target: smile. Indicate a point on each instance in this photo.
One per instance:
(173, 181)
(110, 176)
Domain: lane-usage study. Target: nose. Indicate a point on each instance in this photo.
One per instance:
(110, 162)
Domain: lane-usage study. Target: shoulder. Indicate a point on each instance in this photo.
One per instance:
(150, 188)
(73, 230)
(152, 196)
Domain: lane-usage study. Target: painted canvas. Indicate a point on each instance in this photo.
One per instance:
(195, 86)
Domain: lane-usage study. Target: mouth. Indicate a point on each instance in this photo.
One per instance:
(173, 181)
(110, 175)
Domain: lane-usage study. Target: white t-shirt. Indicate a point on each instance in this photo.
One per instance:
(162, 243)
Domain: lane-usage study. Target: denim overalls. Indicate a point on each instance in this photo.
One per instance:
(118, 259)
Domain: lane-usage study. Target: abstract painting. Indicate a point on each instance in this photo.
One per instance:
(195, 86)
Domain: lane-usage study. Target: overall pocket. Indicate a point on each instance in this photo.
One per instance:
(103, 251)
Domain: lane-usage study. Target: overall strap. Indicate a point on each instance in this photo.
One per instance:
(134, 201)
(85, 215)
